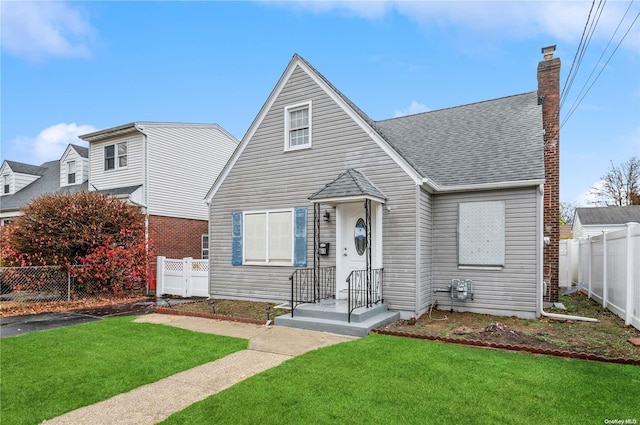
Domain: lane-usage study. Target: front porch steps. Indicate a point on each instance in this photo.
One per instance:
(331, 316)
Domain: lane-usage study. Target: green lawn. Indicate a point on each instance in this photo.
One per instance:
(45, 374)
(390, 380)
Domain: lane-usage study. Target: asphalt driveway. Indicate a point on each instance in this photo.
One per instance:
(20, 325)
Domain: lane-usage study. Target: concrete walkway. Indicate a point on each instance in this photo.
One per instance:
(152, 403)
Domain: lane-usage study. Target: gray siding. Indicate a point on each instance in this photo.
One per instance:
(266, 177)
(510, 291)
(425, 225)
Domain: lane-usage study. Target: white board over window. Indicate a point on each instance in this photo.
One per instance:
(481, 233)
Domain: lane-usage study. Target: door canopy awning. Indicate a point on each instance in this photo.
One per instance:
(349, 186)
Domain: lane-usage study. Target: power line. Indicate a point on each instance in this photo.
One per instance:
(602, 69)
(585, 45)
(601, 55)
(562, 94)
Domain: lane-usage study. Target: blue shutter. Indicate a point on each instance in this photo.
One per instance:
(236, 238)
(300, 237)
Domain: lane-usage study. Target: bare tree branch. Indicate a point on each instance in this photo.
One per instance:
(620, 186)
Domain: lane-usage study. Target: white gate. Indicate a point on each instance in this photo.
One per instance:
(185, 278)
(568, 263)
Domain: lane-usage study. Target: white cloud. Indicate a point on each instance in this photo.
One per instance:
(561, 21)
(49, 144)
(414, 108)
(36, 30)
(372, 10)
(588, 199)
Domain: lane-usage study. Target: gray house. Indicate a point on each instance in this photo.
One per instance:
(353, 222)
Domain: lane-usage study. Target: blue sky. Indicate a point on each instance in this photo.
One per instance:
(69, 68)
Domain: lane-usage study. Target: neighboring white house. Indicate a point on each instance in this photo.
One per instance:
(593, 221)
(22, 183)
(165, 168)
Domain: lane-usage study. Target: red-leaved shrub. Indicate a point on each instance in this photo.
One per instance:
(103, 234)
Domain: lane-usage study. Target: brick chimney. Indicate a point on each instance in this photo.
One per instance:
(549, 97)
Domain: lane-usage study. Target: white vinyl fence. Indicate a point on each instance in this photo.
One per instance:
(609, 267)
(183, 277)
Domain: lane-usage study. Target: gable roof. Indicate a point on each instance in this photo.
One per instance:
(492, 144)
(22, 168)
(351, 183)
(48, 183)
(82, 151)
(608, 215)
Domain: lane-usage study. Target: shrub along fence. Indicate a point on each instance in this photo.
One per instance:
(45, 284)
(609, 267)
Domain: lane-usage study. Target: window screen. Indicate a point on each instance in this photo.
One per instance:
(481, 234)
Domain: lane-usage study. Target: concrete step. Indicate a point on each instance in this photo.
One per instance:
(337, 310)
(342, 327)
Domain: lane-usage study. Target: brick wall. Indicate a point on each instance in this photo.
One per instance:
(549, 93)
(176, 237)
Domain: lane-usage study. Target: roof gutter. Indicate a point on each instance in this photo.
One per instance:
(478, 187)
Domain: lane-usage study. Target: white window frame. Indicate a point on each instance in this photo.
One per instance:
(288, 129)
(204, 251)
(6, 184)
(75, 170)
(116, 156)
(267, 261)
(482, 235)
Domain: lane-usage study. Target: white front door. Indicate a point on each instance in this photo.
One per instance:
(351, 242)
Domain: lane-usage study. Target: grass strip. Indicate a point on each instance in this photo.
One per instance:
(392, 380)
(46, 374)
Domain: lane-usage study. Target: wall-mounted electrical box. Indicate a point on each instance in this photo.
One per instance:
(323, 249)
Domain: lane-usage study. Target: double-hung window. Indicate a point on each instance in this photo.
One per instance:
(115, 156)
(297, 126)
(71, 172)
(481, 234)
(272, 237)
(6, 186)
(268, 237)
(205, 247)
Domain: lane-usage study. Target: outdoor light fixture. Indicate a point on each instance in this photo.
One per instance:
(327, 215)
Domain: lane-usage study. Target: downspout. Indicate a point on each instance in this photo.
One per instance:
(540, 256)
(146, 193)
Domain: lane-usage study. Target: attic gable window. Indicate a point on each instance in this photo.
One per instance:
(5, 184)
(110, 152)
(71, 172)
(297, 126)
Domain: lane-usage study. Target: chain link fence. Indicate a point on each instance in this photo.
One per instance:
(44, 284)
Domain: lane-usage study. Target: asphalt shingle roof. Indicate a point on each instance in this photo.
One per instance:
(49, 182)
(609, 215)
(127, 190)
(349, 183)
(494, 141)
(499, 140)
(82, 151)
(22, 168)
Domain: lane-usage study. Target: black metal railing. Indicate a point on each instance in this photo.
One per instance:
(307, 287)
(363, 292)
